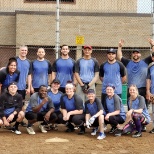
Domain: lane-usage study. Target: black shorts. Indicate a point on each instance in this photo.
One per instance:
(22, 93)
(39, 116)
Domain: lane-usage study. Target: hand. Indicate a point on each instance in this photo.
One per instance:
(47, 116)
(6, 123)
(85, 88)
(107, 117)
(45, 100)
(28, 91)
(88, 124)
(151, 41)
(10, 118)
(32, 90)
(68, 116)
(92, 119)
(121, 43)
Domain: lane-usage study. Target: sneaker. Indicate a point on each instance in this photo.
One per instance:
(144, 128)
(68, 130)
(152, 131)
(112, 130)
(43, 130)
(16, 131)
(101, 136)
(94, 131)
(118, 132)
(23, 124)
(30, 131)
(137, 134)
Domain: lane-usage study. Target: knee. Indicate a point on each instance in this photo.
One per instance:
(21, 115)
(1, 122)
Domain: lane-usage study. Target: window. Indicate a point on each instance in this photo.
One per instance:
(67, 1)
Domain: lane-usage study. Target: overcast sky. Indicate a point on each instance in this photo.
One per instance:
(144, 6)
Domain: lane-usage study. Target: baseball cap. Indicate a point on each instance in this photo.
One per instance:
(136, 50)
(111, 50)
(12, 83)
(90, 91)
(110, 85)
(56, 81)
(87, 46)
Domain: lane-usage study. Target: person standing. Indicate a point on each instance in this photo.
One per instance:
(11, 107)
(136, 68)
(86, 72)
(113, 72)
(150, 89)
(41, 71)
(63, 68)
(9, 74)
(94, 114)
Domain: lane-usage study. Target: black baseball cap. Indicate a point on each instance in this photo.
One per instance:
(12, 83)
(136, 50)
(56, 81)
(111, 50)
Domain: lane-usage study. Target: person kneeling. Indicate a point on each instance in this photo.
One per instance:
(11, 107)
(72, 110)
(94, 114)
(40, 108)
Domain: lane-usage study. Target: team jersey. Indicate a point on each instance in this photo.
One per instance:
(112, 74)
(150, 76)
(114, 104)
(6, 78)
(86, 69)
(55, 99)
(9, 103)
(25, 68)
(40, 72)
(139, 103)
(75, 103)
(35, 100)
(93, 108)
(137, 71)
(64, 69)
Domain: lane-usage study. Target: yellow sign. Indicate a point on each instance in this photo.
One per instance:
(79, 40)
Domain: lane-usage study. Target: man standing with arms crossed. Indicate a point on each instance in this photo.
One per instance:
(86, 72)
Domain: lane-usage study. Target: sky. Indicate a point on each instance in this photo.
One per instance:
(144, 6)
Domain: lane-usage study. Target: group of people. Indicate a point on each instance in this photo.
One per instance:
(71, 99)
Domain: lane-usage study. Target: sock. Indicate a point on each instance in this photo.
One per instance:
(29, 125)
(16, 125)
(137, 124)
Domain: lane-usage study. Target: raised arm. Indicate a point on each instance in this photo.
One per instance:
(119, 52)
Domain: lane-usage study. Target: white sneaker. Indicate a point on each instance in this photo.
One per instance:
(43, 130)
(16, 131)
(30, 130)
(101, 136)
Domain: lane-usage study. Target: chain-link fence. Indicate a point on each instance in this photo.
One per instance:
(100, 23)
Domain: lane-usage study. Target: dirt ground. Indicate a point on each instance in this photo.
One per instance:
(77, 144)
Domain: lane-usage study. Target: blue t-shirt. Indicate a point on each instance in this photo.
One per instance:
(112, 73)
(55, 99)
(114, 104)
(64, 69)
(93, 108)
(150, 76)
(86, 69)
(40, 72)
(137, 71)
(24, 66)
(139, 103)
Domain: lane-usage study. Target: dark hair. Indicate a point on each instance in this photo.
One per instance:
(12, 59)
(64, 45)
(41, 86)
